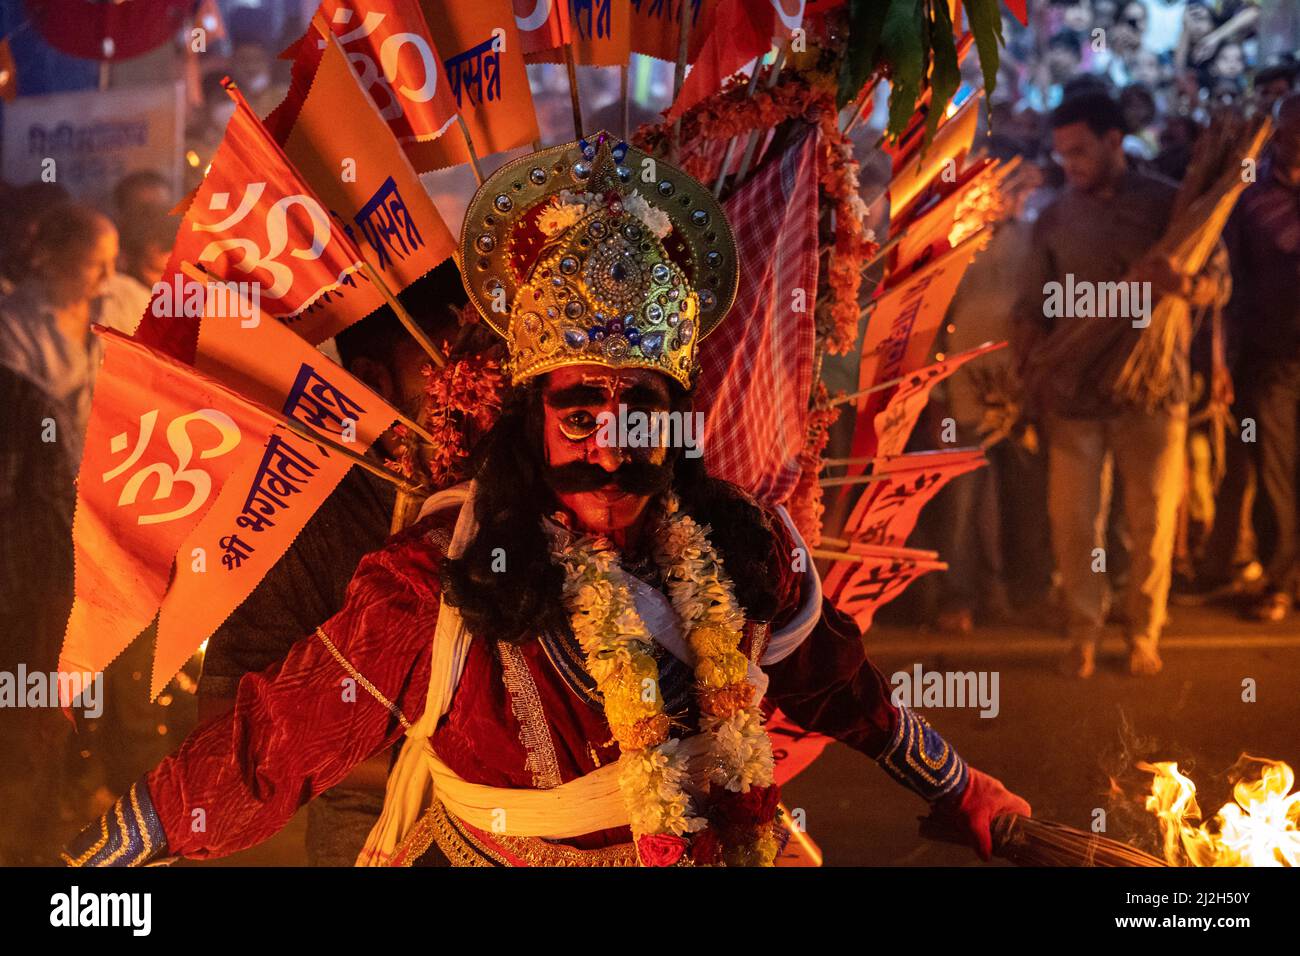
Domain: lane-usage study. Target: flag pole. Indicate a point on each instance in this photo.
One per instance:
(861, 393)
(679, 76)
(750, 89)
(858, 106)
(574, 99)
(375, 469)
(622, 95)
(473, 154)
(851, 480)
(403, 316)
(752, 146)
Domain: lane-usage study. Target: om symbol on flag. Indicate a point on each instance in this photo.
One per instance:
(182, 447)
(277, 236)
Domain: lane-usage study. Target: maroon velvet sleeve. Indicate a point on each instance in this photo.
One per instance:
(828, 684)
(299, 726)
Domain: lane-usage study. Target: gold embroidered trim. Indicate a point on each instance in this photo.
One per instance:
(371, 689)
(464, 848)
(534, 733)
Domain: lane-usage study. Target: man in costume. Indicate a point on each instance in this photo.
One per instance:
(577, 643)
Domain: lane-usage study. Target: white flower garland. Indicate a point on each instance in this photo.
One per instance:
(653, 774)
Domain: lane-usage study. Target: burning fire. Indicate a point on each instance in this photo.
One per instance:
(1261, 827)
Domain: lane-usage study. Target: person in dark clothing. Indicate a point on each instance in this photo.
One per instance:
(36, 506)
(1263, 238)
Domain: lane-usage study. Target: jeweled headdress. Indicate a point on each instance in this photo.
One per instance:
(595, 252)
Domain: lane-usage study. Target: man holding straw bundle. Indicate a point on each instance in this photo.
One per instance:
(1096, 268)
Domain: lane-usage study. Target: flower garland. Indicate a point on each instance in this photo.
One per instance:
(805, 502)
(654, 775)
(462, 401)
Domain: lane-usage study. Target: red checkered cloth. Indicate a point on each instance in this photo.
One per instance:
(756, 368)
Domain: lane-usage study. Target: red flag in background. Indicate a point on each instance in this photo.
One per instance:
(1020, 10)
(895, 423)
(900, 334)
(756, 374)
(362, 176)
(484, 59)
(876, 576)
(657, 24)
(253, 220)
(543, 25)
(388, 44)
(737, 32)
(162, 440)
(889, 508)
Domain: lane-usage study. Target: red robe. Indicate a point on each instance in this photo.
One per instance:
(298, 727)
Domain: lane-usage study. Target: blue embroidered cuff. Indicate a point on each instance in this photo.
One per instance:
(129, 834)
(921, 760)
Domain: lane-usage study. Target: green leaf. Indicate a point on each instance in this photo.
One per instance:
(986, 26)
(866, 20)
(946, 75)
(903, 42)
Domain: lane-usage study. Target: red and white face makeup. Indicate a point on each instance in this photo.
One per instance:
(573, 400)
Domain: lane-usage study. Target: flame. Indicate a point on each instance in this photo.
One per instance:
(1261, 827)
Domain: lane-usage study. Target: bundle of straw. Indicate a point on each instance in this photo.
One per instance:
(1137, 366)
(1214, 180)
(1028, 841)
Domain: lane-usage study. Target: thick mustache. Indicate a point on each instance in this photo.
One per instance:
(634, 477)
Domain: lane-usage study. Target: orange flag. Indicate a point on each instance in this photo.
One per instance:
(484, 58)
(269, 498)
(861, 587)
(895, 422)
(254, 221)
(737, 32)
(388, 44)
(161, 441)
(889, 508)
(543, 24)
(602, 33)
(657, 24)
(361, 175)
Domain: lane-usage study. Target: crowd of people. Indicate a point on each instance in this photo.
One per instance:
(1088, 496)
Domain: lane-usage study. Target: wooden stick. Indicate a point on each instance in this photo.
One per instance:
(853, 396)
(404, 317)
(862, 558)
(861, 101)
(751, 147)
(574, 99)
(750, 88)
(469, 144)
(679, 75)
(839, 462)
(622, 95)
(851, 480)
(378, 470)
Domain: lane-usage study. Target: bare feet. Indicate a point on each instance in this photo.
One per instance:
(1081, 661)
(1143, 659)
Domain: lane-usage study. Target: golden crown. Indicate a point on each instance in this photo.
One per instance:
(597, 253)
